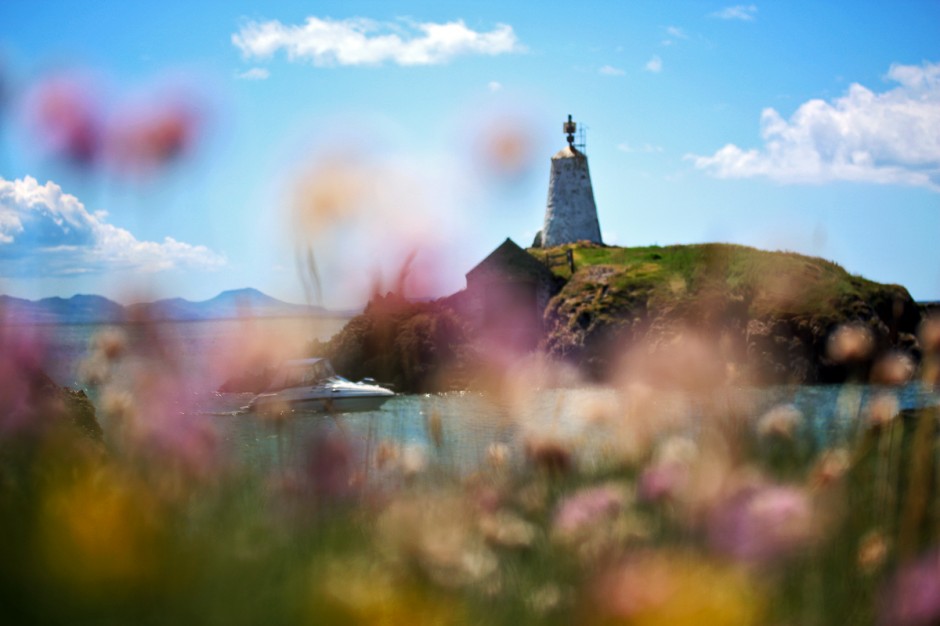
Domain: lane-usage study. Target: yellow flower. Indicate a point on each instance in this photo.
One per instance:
(667, 589)
(99, 530)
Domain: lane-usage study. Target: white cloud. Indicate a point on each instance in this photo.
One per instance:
(743, 12)
(494, 86)
(45, 232)
(609, 70)
(891, 137)
(255, 73)
(358, 41)
(654, 65)
(676, 32)
(647, 148)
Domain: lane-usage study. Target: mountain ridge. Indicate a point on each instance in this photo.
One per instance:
(96, 309)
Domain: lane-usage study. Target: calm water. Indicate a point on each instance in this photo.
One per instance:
(203, 353)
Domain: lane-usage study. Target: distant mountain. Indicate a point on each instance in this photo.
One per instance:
(87, 309)
(79, 309)
(228, 304)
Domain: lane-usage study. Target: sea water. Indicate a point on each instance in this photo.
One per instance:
(470, 423)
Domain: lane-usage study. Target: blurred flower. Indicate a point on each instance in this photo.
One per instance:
(434, 427)
(781, 421)
(99, 530)
(74, 121)
(912, 597)
(663, 589)
(704, 367)
(387, 454)
(67, 118)
(586, 508)
(872, 551)
(110, 343)
(497, 454)
(143, 140)
(893, 369)
(760, 525)
(506, 149)
(507, 530)
(414, 459)
(547, 598)
(850, 343)
(104, 348)
(668, 474)
(350, 591)
(677, 449)
(533, 497)
(333, 191)
(23, 356)
(329, 468)
(662, 481)
(118, 407)
(882, 410)
(929, 335)
(549, 455)
(830, 468)
(439, 534)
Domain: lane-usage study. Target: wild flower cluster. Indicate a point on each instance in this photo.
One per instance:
(711, 515)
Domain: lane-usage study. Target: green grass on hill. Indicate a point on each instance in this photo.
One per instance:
(769, 282)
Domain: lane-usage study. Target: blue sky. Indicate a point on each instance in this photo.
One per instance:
(413, 137)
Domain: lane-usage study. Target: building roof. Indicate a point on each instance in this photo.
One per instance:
(510, 262)
(568, 152)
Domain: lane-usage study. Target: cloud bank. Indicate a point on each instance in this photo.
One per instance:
(45, 232)
(255, 73)
(889, 138)
(654, 65)
(743, 12)
(359, 41)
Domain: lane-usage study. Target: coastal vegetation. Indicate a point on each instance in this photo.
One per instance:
(717, 515)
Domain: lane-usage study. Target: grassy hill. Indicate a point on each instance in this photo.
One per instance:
(771, 282)
(763, 304)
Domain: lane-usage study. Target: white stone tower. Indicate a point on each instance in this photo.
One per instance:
(570, 214)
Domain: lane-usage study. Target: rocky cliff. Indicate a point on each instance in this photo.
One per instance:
(772, 315)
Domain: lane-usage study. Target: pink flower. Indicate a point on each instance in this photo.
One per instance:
(587, 507)
(23, 356)
(759, 525)
(662, 481)
(912, 598)
(67, 119)
(330, 467)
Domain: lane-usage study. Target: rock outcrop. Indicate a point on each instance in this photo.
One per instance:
(768, 315)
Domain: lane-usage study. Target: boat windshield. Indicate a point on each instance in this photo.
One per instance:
(302, 375)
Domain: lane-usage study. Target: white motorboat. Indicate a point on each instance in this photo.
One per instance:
(312, 385)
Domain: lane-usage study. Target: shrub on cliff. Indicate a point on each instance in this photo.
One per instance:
(410, 345)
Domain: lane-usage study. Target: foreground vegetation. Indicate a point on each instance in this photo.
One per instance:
(717, 516)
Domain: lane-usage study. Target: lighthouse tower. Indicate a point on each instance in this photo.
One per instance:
(570, 213)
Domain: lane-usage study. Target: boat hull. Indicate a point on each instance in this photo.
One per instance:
(320, 404)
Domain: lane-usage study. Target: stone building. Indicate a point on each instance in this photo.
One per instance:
(506, 294)
(570, 212)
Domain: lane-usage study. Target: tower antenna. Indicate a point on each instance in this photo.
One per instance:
(569, 129)
(582, 137)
